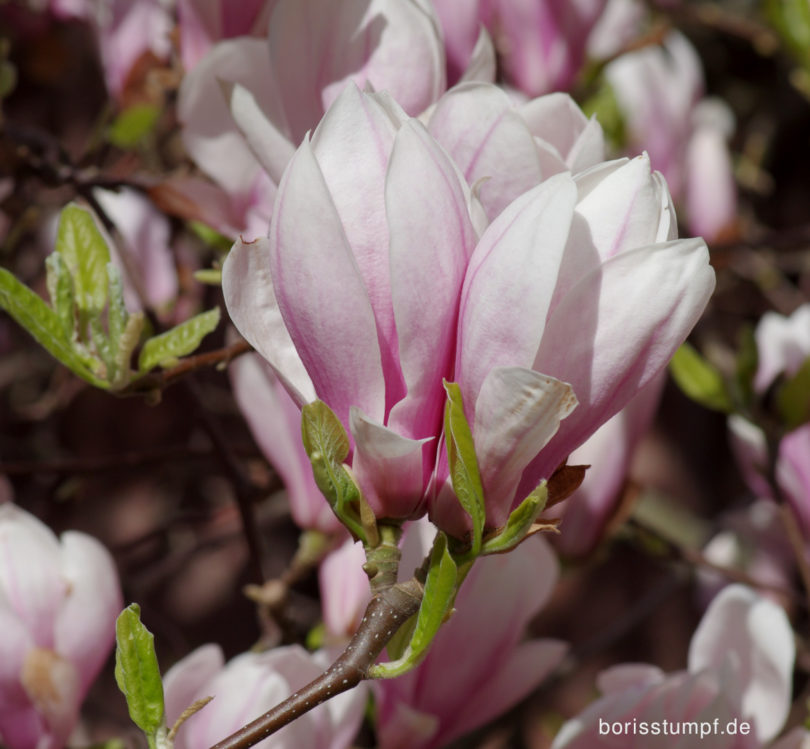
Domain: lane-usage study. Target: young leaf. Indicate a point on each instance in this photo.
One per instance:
(462, 462)
(86, 255)
(179, 341)
(137, 672)
(519, 523)
(60, 290)
(746, 369)
(440, 592)
(31, 311)
(327, 445)
(793, 398)
(132, 125)
(700, 380)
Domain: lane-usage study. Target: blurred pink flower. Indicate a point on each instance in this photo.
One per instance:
(277, 90)
(740, 669)
(479, 665)
(58, 602)
(345, 592)
(248, 686)
(395, 231)
(659, 90)
(542, 43)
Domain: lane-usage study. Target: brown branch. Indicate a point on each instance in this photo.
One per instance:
(383, 617)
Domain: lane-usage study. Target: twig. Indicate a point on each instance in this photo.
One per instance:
(383, 617)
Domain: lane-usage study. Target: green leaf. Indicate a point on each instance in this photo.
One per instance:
(209, 276)
(179, 341)
(130, 127)
(440, 592)
(60, 290)
(86, 255)
(327, 445)
(746, 367)
(791, 19)
(520, 521)
(31, 311)
(793, 398)
(699, 380)
(137, 672)
(463, 463)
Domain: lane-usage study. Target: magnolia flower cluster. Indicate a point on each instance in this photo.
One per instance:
(58, 603)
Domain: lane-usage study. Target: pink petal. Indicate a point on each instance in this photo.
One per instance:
(517, 412)
(783, 344)
(344, 590)
(483, 64)
(509, 283)
(432, 238)
(388, 467)
(321, 293)
(186, 681)
(757, 634)
(251, 302)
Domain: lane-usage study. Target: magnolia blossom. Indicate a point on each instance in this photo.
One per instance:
(374, 286)
(659, 90)
(58, 602)
(740, 669)
(783, 344)
(251, 684)
(479, 665)
(279, 88)
(542, 43)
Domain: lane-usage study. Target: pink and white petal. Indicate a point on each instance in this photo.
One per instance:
(509, 284)
(757, 635)
(84, 629)
(432, 239)
(247, 287)
(200, 25)
(344, 590)
(186, 681)
(793, 473)
(783, 344)
(275, 422)
(519, 673)
(14, 644)
(321, 294)
(29, 572)
(407, 728)
(461, 26)
(517, 412)
(589, 148)
(639, 676)
(388, 467)
(609, 336)
(268, 143)
(479, 126)
(798, 738)
(483, 64)
(751, 453)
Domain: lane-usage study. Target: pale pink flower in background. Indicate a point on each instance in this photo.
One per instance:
(58, 602)
(620, 24)
(783, 344)
(540, 329)
(249, 685)
(479, 665)
(660, 90)
(275, 421)
(541, 43)
(345, 591)
(740, 668)
(280, 88)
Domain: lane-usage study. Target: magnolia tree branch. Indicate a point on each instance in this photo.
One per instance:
(386, 613)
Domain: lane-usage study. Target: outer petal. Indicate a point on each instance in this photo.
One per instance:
(758, 634)
(251, 301)
(793, 472)
(461, 24)
(611, 335)
(432, 238)
(321, 294)
(84, 629)
(483, 65)
(509, 283)
(388, 467)
(517, 412)
(318, 47)
(275, 421)
(485, 135)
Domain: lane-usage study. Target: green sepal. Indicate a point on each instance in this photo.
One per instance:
(182, 339)
(327, 445)
(43, 323)
(132, 125)
(209, 276)
(137, 672)
(699, 380)
(520, 522)
(463, 464)
(793, 398)
(86, 255)
(440, 592)
(60, 290)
